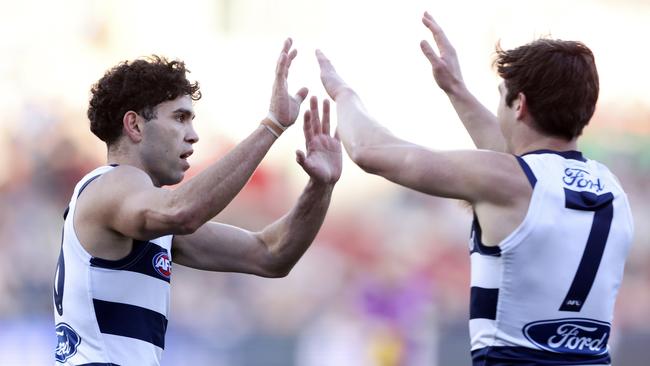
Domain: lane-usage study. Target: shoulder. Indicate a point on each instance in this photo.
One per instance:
(486, 176)
(126, 175)
(604, 171)
(502, 177)
(121, 181)
(112, 188)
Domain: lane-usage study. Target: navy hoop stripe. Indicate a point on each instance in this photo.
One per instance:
(99, 364)
(483, 303)
(477, 244)
(139, 260)
(131, 321)
(508, 356)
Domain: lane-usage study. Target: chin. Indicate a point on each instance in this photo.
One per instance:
(180, 178)
(171, 180)
(177, 179)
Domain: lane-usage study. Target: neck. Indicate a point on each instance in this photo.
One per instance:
(528, 140)
(551, 144)
(118, 156)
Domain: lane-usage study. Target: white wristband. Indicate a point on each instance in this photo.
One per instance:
(272, 127)
(272, 118)
(271, 130)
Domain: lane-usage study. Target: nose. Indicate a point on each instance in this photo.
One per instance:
(192, 137)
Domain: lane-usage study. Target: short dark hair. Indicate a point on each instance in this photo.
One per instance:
(558, 78)
(137, 86)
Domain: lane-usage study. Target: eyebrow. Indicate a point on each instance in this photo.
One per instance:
(185, 111)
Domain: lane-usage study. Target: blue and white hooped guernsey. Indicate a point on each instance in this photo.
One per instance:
(110, 312)
(545, 294)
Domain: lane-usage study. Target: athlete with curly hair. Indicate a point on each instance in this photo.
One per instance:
(123, 230)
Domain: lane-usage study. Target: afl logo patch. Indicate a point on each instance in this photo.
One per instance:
(162, 264)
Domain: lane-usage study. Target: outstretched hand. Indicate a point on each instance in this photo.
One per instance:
(446, 69)
(323, 160)
(333, 83)
(285, 108)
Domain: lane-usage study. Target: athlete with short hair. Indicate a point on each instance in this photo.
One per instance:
(551, 228)
(122, 230)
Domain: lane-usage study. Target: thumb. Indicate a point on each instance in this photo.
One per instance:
(323, 61)
(301, 95)
(429, 52)
(300, 158)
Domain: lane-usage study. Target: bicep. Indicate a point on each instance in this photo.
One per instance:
(471, 175)
(222, 248)
(127, 202)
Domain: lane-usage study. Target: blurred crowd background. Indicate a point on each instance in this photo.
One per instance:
(386, 281)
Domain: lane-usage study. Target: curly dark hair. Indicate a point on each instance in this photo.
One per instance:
(558, 78)
(137, 86)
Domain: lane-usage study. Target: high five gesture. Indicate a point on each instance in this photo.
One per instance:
(285, 108)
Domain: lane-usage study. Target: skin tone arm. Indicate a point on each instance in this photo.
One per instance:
(273, 251)
(475, 176)
(151, 212)
(480, 123)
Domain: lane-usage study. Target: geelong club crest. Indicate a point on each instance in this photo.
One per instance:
(67, 342)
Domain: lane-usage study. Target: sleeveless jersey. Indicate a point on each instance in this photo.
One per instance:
(110, 312)
(545, 294)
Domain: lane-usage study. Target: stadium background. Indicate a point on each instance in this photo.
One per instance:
(386, 282)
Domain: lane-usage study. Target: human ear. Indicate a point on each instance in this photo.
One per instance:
(131, 126)
(521, 108)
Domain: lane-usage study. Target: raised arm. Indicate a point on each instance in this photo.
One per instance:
(273, 251)
(474, 176)
(356, 128)
(144, 211)
(481, 124)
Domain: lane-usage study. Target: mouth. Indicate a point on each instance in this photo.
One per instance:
(186, 155)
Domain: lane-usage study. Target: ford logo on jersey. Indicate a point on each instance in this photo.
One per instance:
(579, 178)
(67, 342)
(574, 335)
(162, 264)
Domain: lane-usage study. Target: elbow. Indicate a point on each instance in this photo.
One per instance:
(362, 156)
(276, 270)
(186, 223)
(273, 264)
(184, 218)
(279, 272)
(179, 222)
(277, 253)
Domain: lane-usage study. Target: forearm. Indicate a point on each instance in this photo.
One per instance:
(205, 195)
(480, 123)
(356, 128)
(288, 238)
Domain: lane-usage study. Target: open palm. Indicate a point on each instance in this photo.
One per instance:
(323, 160)
(284, 107)
(446, 68)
